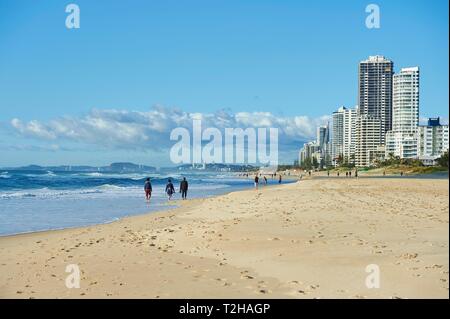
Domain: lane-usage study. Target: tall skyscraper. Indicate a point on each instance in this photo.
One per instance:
(375, 90)
(349, 147)
(402, 140)
(323, 135)
(375, 107)
(337, 142)
(344, 134)
(405, 109)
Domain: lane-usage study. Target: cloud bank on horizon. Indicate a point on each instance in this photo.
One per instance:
(143, 131)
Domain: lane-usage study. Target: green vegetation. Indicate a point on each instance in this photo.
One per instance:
(443, 160)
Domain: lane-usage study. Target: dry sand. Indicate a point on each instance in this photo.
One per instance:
(311, 239)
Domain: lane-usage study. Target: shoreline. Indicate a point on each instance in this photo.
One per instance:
(175, 205)
(250, 244)
(291, 178)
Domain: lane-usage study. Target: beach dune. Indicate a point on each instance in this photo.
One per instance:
(318, 238)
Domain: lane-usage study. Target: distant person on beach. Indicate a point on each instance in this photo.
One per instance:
(256, 181)
(328, 173)
(265, 180)
(401, 173)
(309, 173)
(170, 190)
(338, 174)
(350, 174)
(356, 173)
(148, 189)
(346, 174)
(384, 173)
(184, 188)
(279, 180)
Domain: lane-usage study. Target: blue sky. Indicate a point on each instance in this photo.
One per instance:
(287, 58)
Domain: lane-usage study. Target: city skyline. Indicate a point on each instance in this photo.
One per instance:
(384, 125)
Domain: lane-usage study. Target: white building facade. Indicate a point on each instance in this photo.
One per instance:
(402, 140)
(433, 139)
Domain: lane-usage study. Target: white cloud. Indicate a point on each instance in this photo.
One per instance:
(122, 129)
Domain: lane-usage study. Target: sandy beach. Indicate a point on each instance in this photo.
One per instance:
(311, 239)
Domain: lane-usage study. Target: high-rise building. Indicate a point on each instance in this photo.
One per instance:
(337, 142)
(323, 140)
(349, 146)
(308, 152)
(368, 135)
(323, 135)
(344, 131)
(405, 109)
(375, 90)
(374, 109)
(402, 140)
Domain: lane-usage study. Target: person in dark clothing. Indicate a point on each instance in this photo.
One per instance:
(148, 189)
(356, 173)
(279, 179)
(184, 188)
(256, 181)
(170, 190)
(265, 180)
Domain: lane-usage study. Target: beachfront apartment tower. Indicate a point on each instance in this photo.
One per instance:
(368, 136)
(308, 152)
(344, 135)
(402, 140)
(349, 147)
(405, 101)
(433, 139)
(375, 90)
(323, 135)
(337, 141)
(323, 140)
(375, 107)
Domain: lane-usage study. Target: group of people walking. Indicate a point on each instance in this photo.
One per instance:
(347, 174)
(265, 180)
(170, 189)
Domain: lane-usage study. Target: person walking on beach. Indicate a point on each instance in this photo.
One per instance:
(265, 180)
(148, 189)
(279, 180)
(256, 181)
(170, 190)
(337, 174)
(184, 188)
(356, 173)
(328, 173)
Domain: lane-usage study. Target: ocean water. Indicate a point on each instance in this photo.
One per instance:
(33, 201)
